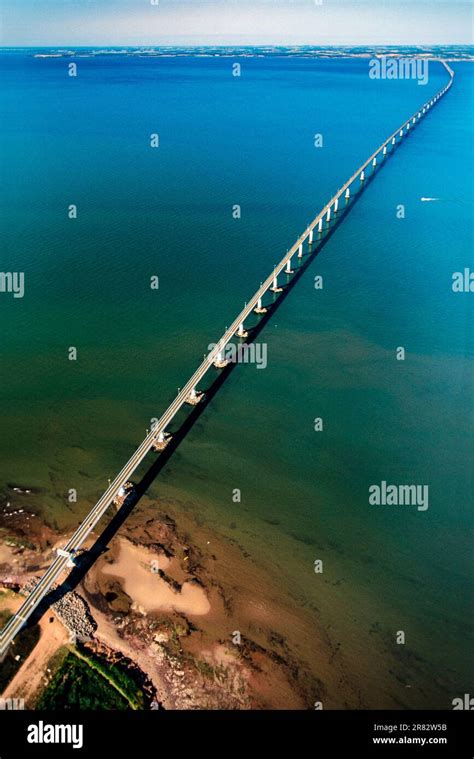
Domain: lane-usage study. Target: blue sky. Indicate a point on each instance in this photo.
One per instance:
(140, 22)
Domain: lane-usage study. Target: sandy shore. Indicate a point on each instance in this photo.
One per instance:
(175, 607)
(137, 569)
(197, 615)
(33, 675)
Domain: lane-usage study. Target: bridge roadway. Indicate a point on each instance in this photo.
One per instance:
(97, 512)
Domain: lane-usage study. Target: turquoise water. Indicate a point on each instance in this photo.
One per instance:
(331, 353)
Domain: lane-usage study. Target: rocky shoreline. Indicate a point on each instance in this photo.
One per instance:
(71, 609)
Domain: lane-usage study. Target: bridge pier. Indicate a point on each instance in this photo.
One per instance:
(328, 215)
(311, 233)
(161, 441)
(300, 250)
(374, 162)
(69, 555)
(242, 332)
(384, 151)
(393, 140)
(274, 288)
(288, 269)
(362, 175)
(220, 362)
(194, 397)
(347, 194)
(336, 205)
(320, 225)
(259, 309)
(122, 494)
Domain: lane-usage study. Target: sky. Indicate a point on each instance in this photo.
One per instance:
(235, 22)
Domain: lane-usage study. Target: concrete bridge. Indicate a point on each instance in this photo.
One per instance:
(157, 438)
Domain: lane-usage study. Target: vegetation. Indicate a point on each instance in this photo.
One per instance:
(118, 676)
(84, 681)
(76, 686)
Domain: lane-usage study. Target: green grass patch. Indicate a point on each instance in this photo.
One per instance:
(85, 681)
(77, 686)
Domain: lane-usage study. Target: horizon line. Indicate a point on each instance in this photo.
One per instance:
(249, 45)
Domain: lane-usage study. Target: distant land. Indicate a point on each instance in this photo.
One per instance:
(446, 52)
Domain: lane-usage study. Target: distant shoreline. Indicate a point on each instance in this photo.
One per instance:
(445, 52)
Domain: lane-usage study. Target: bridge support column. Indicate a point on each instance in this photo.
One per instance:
(374, 162)
(194, 397)
(220, 362)
(400, 134)
(336, 205)
(161, 441)
(328, 216)
(259, 309)
(274, 288)
(311, 234)
(67, 555)
(348, 194)
(384, 151)
(242, 332)
(393, 140)
(320, 225)
(288, 269)
(362, 175)
(300, 250)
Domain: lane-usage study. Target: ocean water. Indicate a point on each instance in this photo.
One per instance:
(249, 140)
